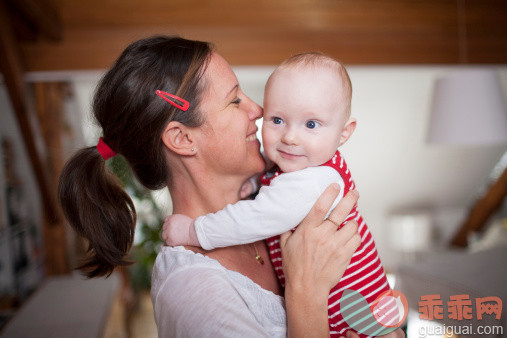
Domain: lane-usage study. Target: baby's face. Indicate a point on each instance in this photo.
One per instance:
(305, 110)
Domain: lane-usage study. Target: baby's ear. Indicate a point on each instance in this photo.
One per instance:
(348, 130)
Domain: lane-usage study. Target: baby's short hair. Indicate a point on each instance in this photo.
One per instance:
(317, 59)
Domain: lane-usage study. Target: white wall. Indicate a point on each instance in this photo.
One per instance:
(392, 165)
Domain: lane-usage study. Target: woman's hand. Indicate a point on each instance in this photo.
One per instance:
(316, 252)
(315, 257)
(398, 333)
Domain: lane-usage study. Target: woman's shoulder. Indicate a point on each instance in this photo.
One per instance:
(173, 261)
(180, 276)
(180, 263)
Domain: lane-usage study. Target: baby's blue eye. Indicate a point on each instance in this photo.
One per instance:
(277, 120)
(311, 124)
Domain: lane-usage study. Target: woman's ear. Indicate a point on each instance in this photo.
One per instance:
(348, 130)
(178, 138)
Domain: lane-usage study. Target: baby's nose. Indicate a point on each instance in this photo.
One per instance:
(290, 137)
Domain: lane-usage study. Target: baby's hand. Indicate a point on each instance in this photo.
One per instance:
(249, 187)
(179, 230)
(246, 189)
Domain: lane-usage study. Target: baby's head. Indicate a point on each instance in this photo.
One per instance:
(306, 111)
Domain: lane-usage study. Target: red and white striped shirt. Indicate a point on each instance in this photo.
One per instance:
(365, 273)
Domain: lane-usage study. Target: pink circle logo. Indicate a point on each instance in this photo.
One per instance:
(390, 309)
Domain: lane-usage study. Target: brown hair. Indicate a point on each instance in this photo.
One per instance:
(132, 118)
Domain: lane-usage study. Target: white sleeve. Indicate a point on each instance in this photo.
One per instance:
(201, 302)
(276, 209)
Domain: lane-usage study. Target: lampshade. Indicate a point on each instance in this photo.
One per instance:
(468, 109)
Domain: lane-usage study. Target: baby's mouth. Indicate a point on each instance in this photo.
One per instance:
(289, 155)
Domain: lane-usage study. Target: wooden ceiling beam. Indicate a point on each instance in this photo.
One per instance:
(97, 48)
(482, 210)
(49, 101)
(39, 15)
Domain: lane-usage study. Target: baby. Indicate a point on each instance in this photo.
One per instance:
(307, 105)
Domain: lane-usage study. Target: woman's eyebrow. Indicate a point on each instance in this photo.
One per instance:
(233, 89)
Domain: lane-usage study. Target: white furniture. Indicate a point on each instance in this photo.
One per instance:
(478, 274)
(67, 306)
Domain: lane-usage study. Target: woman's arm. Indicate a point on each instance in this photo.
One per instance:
(315, 257)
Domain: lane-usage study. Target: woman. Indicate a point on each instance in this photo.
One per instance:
(202, 151)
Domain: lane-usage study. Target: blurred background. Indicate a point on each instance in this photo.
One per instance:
(428, 156)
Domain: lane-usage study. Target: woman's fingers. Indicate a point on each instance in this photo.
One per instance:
(352, 334)
(355, 240)
(321, 207)
(345, 234)
(284, 237)
(343, 209)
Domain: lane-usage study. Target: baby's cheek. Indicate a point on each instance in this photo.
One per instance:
(267, 141)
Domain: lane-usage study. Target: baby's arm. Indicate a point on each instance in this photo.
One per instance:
(179, 230)
(276, 209)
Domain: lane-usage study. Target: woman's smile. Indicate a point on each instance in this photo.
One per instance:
(251, 137)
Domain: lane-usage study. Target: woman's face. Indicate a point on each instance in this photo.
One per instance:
(228, 141)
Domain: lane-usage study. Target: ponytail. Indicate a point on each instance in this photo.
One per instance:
(132, 118)
(99, 210)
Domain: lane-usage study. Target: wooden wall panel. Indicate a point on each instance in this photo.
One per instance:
(264, 32)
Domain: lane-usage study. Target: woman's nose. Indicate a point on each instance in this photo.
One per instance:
(254, 110)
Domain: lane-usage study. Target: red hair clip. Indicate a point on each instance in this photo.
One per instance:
(163, 95)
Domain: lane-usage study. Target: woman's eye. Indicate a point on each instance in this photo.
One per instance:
(312, 124)
(237, 101)
(277, 120)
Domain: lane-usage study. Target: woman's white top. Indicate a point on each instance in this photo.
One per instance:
(195, 296)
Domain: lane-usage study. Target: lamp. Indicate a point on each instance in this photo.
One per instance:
(468, 109)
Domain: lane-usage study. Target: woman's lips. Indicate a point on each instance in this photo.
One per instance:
(252, 137)
(289, 156)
